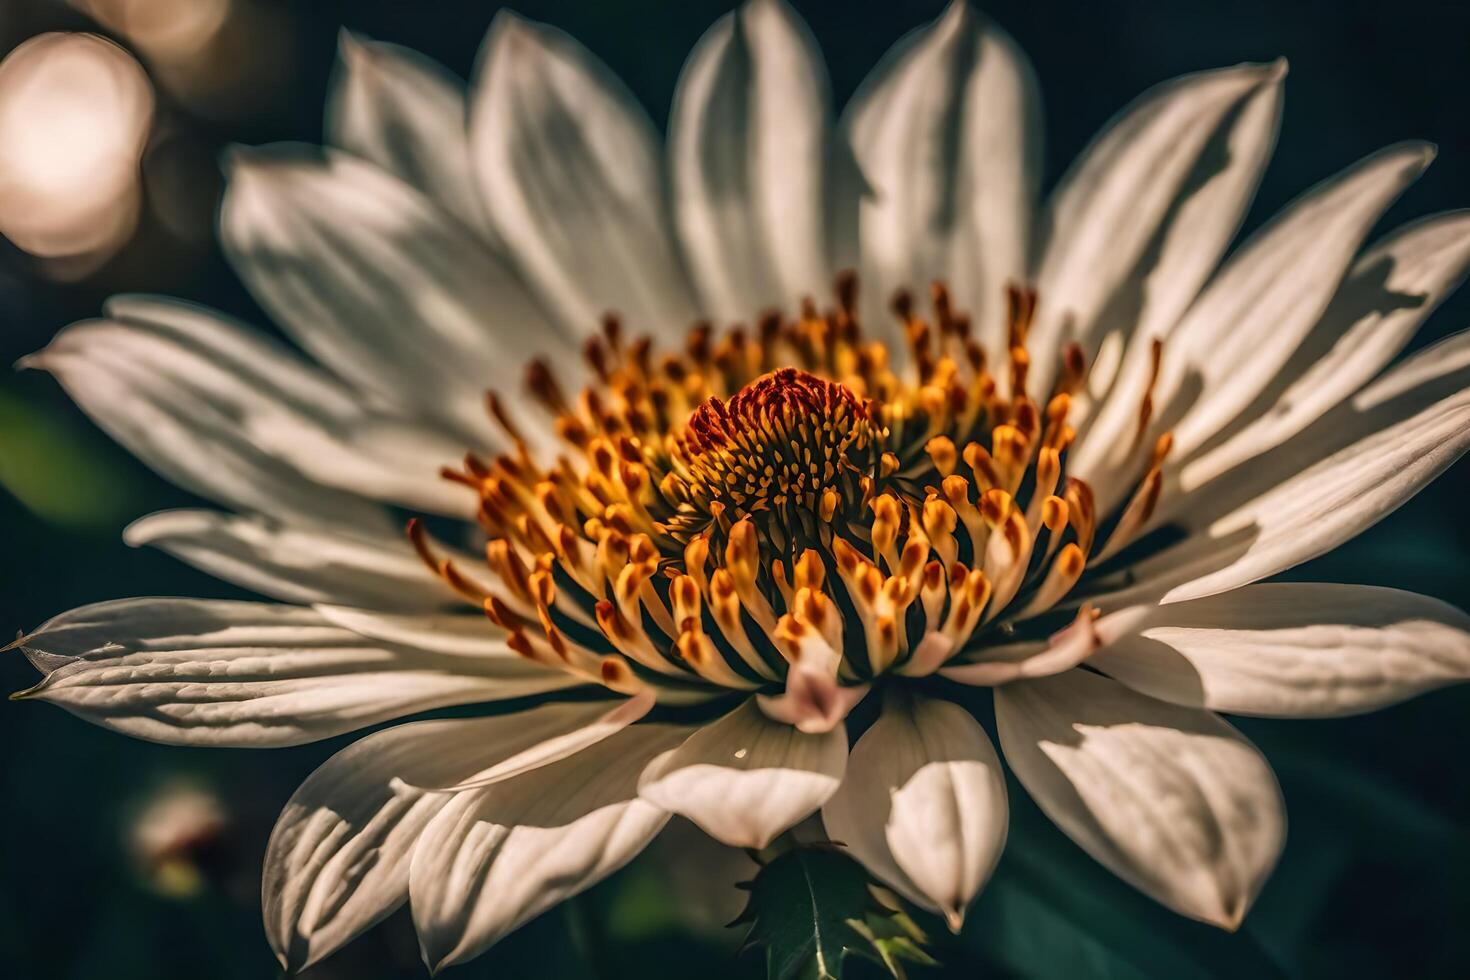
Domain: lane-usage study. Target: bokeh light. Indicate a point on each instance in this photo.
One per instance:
(168, 30)
(172, 836)
(221, 59)
(75, 111)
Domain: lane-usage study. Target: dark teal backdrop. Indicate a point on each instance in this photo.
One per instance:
(1374, 879)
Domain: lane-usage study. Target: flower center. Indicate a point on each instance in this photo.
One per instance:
(785, 450)
(786, 509)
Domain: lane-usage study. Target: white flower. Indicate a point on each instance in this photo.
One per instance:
(945, 496)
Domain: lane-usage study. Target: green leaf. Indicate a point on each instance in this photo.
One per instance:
(812, 906)
(62, 473)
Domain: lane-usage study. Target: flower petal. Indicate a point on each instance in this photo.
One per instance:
(193, 413)
(338, 859)
(1306, 499)
(201, 672)
(923, 805)
(1263, 302)
(745, 778)
(1391, 291)
(946, 132)
(1245, 327)
(295, 563)
(494, 859)
(376, 282)
(279, 405)
(599, 723)
(465, 635)
(570, 171)
(1139, 222)
(1294, 650)
(1437, 372)
(1063, 650)
(749, 139)
(405, 112)
(813, 702)
(1172, 800)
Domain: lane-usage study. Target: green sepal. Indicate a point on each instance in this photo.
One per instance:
(813, 906)
(893, 937)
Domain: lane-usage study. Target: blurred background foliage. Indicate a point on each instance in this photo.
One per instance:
(123, 859)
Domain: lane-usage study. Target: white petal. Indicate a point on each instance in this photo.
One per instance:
(405, 113)
(714, 128)
(1063, 650)
(201, 672)
(284, 406)
(294, 563)
(923, 805)
(812, 702)
(216, 420)
(1295, 650)
(1257, 311)
(1378, 308)
(599, 722)
(569, 168)
(1359, 462)
(1140, 220)
(749, 139)
(338, 859)
(745, 778)
(466, 635)
(1304, 499)
(1172, 800)
(494, 859)
(946, 132)
(375, 281)
(1439, 370)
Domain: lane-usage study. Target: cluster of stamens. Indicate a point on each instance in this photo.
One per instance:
(785, 451)
(786, 503)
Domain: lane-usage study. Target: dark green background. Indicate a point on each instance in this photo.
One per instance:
(1374, 878)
